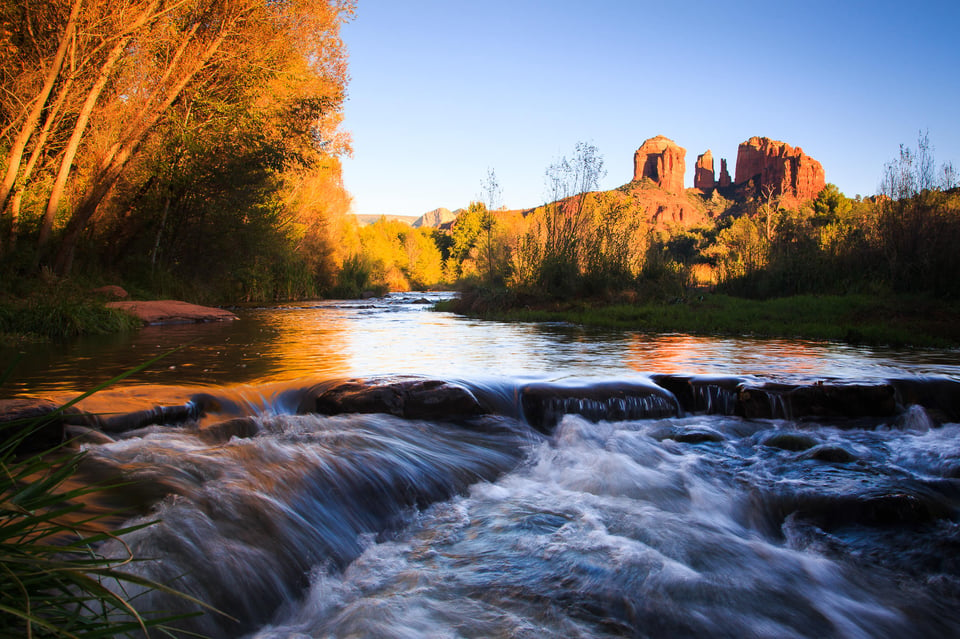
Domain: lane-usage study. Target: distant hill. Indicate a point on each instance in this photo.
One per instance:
(364, 220)
(437, 218)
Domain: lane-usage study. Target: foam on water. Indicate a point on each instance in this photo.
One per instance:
(609, 531)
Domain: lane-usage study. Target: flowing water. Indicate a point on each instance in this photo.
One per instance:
(595, 495)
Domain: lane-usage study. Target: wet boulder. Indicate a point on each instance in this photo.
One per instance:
(158, 415)
(32, 425)
(411, 398)
(787, 401)
(940, 397)
(714, 395)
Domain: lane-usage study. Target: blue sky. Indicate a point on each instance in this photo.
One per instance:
(443, 90)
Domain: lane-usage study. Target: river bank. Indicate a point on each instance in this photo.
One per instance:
(63, 314)
(914, 321)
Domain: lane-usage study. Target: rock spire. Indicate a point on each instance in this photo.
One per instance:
(703, 177)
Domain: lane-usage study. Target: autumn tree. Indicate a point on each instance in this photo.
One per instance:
(139, 99)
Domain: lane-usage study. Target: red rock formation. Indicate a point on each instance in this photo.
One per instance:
(703, 174)
(788, 171)
(724, 179)
(663, 161)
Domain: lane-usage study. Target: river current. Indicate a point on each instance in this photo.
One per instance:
(603, 484)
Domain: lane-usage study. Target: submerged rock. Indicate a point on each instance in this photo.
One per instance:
(831, 454)
(33, 422)
(222, 432)
(788, 440)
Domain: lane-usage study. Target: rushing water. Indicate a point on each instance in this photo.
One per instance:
(627, 517)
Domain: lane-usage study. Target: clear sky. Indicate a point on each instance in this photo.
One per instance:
(443, 90)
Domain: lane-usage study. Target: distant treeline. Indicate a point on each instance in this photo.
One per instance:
(584, 244)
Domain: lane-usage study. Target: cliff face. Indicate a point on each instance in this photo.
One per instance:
(435, 218)
(663, 161)
(787, 171)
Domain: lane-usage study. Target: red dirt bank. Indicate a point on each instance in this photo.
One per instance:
(172, 312)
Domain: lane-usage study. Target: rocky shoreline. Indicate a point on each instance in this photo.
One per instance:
(156, 312)
(540, 404)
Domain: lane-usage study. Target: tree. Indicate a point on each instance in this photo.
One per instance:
(492, 197)
(126, 79)
(551, 255)
(741, 250)
(34, 107)
(914, 171)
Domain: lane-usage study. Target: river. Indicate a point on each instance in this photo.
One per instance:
(600, 484)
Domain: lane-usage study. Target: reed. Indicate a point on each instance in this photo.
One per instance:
(54, 582)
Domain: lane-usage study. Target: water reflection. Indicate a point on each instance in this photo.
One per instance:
(401, 335)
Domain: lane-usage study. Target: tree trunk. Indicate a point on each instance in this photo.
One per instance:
(79, 128)
(15, 155)
(15, 201)
(113, 165)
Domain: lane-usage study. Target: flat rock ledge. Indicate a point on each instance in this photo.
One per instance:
(172, 312)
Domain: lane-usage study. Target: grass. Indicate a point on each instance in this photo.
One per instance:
(59, 314)
(860, 319)
(53, 580)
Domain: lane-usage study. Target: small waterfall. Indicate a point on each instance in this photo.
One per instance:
(670, 506)
(545, 404)
(244, 522)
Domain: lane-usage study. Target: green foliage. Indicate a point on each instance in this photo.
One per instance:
(862, 319)
(56, 312)
(919, 237)
(355, 279)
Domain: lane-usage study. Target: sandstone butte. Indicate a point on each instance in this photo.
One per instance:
(785, 171)
(172, 312)
(663, 161)
(764, 167)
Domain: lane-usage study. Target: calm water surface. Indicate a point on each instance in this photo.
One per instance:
(397, 335)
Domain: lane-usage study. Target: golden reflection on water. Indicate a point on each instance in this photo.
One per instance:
(704, 355)
(324, 340)
(307, 343)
